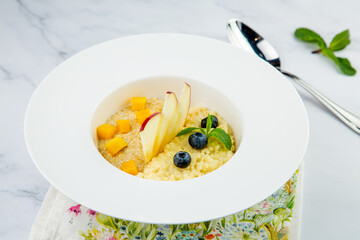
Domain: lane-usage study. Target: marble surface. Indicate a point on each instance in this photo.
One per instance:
(35, 36)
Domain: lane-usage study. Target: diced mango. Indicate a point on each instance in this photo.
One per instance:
(138, 103)
(115, 145)
(142, 115)
(123, 125)
(129, 167)
(106, 131)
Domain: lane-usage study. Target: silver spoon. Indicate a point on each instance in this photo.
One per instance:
(244, 37)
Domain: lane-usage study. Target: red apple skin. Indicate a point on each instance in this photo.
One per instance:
(147, 120)
(169, 92)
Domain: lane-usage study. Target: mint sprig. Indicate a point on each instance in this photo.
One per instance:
(339, 42)
(218, 133)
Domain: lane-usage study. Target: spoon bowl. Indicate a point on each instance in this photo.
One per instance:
(253, 42)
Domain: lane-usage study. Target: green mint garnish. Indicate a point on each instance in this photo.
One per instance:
(339, 42)
(209, 121)
(218, 133)
(187, 130)
(222, 136)
(308, 35)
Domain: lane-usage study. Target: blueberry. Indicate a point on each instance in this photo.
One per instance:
(198, 140)
(182, 159)
(213, 125)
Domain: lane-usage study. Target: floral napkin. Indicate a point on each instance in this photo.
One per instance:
(275, 218)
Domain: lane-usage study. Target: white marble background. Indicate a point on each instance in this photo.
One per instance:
(35, 36)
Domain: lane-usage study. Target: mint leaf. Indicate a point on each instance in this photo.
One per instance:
(222, 136)
(345, 66)
(308, 35)
(343, 63)
(186, 130)
(340, 41)
(209, 121)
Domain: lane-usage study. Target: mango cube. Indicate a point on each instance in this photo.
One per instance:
(123, 125)
(129, 167)
(106, 131)
(138, 103)
(142, 115)
(115, 145)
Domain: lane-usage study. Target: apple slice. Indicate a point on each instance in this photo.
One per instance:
(180, 115)
(160, 128)
(167, 116)
(184, 105)
(147, 120)
(148, 133)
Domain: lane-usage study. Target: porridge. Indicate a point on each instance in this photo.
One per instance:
(166, 139)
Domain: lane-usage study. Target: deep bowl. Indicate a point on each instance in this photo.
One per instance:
(262, 108)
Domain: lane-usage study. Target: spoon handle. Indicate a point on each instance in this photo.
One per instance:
(350, 119)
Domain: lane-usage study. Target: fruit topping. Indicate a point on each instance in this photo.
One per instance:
(179, 118)
(115, 145)
(182, 159)
(214, 124)
(148, 133)
(123, 125)
(168, 114)
(142, 115)
(156, 133)
(129, 167)
(198, 140)
(138, 103)
(106, 131)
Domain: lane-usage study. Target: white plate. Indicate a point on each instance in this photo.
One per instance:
(251, 94)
